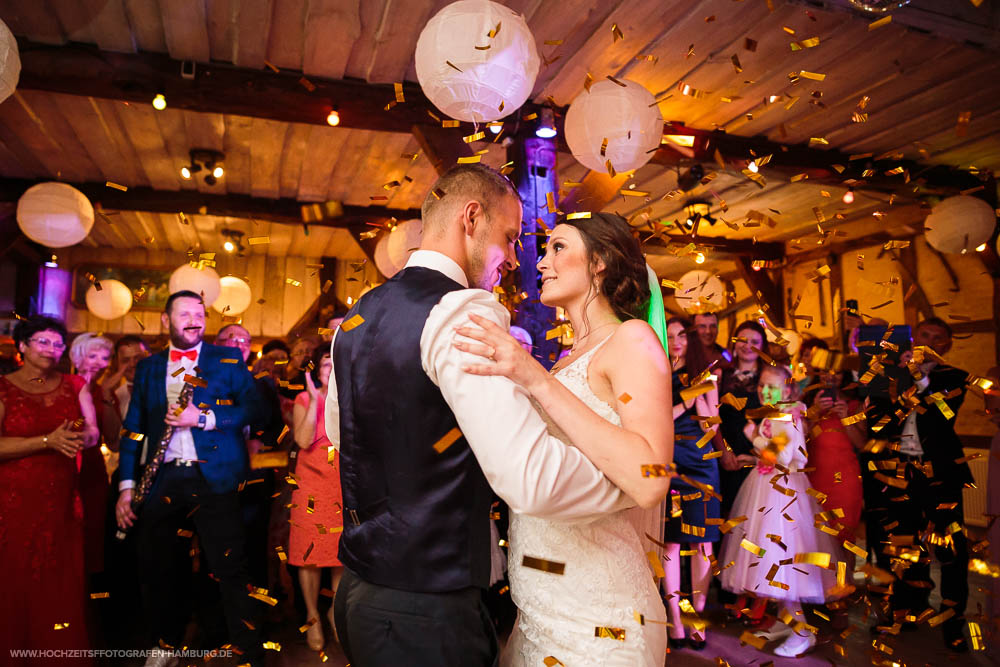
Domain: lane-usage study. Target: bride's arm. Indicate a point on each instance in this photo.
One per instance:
(638, 368)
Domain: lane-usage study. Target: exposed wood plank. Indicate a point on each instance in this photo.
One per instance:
(10, 165)
(332, 27)
(382, 166)
(111, 26)
(719, 245)
(343, 245)
(114, 132)
(396, 40)
(206, 130)
(253, 30)
(221, 22)
(239, 133)
(76, 18)
(281, 240)
(91, 131)
(31, 141)
(175, 140)
(34, 20)
(171, 236)
(52, 122)
(322, 153)
(363, 48)
(186, 28)
(274, 289)
(313, 242)
(595, 192)
(267, 139)
(441, 146)
(292, 158)
(146, 22)
(770, 288)
(286, 41)
(352, 155)
(144, 134)
(295, 301)
(254, 315)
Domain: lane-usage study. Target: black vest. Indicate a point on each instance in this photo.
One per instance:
(414, 519)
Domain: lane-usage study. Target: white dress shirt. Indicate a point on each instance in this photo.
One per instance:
(534, 472)
(909, 439)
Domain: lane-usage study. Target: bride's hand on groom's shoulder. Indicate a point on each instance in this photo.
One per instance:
(500, 353)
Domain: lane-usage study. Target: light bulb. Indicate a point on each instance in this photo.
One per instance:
(981, 247)
(218, 172)
(159, 102)
(185, 173)
(495, 129)
(333, 118)
(350, 301)
(752, 166)
(699, 258)
(228, 245)
(848, 197)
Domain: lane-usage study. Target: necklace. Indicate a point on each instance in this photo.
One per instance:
(577, 343)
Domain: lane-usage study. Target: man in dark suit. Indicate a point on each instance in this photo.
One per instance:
(923, 481)
(198, 477)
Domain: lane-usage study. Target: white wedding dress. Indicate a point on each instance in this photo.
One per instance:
(607, 579)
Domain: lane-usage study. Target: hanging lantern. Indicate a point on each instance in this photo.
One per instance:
(55, 215)
(10, 62)
(476, 60)
(959, 224)
(383, 262)
(403, 240)
(616, 124)
(112, 301)
(203, 281)
(700, 292)
(234, 296)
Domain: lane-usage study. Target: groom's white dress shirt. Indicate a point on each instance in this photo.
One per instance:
(534, 472)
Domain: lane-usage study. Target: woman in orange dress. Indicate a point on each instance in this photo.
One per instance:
(317, 518)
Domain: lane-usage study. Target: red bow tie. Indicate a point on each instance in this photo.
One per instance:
(177, 355)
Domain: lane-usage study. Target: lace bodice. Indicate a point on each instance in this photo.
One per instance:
(606, 581)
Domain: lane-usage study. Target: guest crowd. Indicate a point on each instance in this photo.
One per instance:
(772, 453)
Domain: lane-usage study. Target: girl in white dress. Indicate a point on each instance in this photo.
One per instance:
(773, 552)
(585, 591)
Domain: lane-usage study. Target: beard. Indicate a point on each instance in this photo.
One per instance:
(478, 276)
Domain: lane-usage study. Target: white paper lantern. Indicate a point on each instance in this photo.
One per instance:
(383, 263)
(627, 117)
(234, 296)
(203, 281)
(484, 84)
(10, 63)
(112, 301)
(403, 240)
(959, 224)
(55, 215)
(792, 338)
(700, 292)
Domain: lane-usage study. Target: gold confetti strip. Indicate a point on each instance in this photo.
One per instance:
(60, 626)
(551, 661)
(259, 240)
(689, 393)
(735, 59)
(274, 646)
(398, 89)
(805, 44)
(581, 215)
(935, 621)
(472, 159)
(813, 558)
(750, 638)
(625, 398)
(473, 137)
(812, 75)
(617, 34)
(655, 470)
(447, 440)
(99, 596)
(731, 523)
(550, 566)
(116, 186)
(752, 548)
(353, 322)
(610, 633)
(875, 25)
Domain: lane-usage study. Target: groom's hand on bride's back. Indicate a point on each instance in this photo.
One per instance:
(501, 353)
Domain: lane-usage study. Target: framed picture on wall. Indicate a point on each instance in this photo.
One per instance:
(155, 281)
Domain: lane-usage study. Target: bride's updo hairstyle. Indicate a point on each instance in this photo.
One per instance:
(624, 281)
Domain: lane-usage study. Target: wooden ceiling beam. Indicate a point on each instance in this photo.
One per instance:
(191, 202)
(746, 248)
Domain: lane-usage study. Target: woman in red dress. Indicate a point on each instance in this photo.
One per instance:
(91, 355)
(46, 418)
(317, 518)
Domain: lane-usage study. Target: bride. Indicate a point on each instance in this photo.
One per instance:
(602, 606)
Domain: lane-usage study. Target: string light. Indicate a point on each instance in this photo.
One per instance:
(218, 172)
(333, 119)
(848, 197)
(185, 173)
(752, 166)
(981, 247)
(699, 258)
(159, 102)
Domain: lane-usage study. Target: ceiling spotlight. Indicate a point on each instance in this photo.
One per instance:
(234, 241)
(848, 197)
(54, 262)
(333, 118)
(185, 173)
(546, 124)
(699, 258)
(209, 160)
(159, 102)
(979, 248)
(218, 172)
(228, 245)
(752, 166)
(697, 210)
(495, 127)
(689, 179)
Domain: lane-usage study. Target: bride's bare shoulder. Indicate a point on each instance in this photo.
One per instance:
(634, 342)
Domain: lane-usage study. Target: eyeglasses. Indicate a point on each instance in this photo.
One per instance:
(45, 342)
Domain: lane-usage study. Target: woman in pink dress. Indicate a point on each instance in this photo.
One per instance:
(46, 418)
(317, 519)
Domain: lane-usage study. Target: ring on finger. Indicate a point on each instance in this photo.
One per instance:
(492, 355)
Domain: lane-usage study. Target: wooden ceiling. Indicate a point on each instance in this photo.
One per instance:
(919, 73)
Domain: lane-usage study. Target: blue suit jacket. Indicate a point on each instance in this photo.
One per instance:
(230, 394)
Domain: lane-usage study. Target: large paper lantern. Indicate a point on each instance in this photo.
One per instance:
(476, 84)
(791, 338)
(112, 301)
(203, 281)
(10, 63)
(234, 296)
(700, 292)
(959, 224)
(55, 215)
(626, 117)
(394, 249)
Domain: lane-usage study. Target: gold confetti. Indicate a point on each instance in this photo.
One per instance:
(655, 470)
(274, 646)
(259, 240)
(610, 633)
(472, 159)
(352, 322)
(116, 186)
(875, 25)
(99, 596)
(550, 566)
(736, 63)
(935, 621)
(307, 84)
(811, 75)
(750, 44)
(60, 626)
(625, 398)
(752, 548)
(616, 33)
(447, 440)
(748, 637)
(731, 523)
(616, 81)
(581, 215)
(473, 137)
(452, 65)
(551, 661)
(805, 44)
(813, 558)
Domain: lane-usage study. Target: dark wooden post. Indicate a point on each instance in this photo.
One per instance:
(534, 176)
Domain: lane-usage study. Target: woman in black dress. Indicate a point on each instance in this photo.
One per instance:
(690, 504)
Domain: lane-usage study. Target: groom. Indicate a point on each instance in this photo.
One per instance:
(422, 442)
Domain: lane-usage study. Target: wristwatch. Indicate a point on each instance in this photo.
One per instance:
(201, 420)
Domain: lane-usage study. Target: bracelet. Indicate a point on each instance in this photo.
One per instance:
(45, 442)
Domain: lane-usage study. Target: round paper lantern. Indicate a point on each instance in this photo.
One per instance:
(10, 62)
(203, 281)
(112, 301)
(959, 224)
(403, 240)
(55, 215)
(626, 117)
(793, 338)
(700, 292)
(470, 84)
(234, 296)
(383, 262)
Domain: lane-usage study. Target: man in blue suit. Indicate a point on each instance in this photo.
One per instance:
(198, 477)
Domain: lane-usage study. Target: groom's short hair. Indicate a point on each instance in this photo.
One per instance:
(462, 183)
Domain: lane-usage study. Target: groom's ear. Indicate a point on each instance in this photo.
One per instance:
(472, 215)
